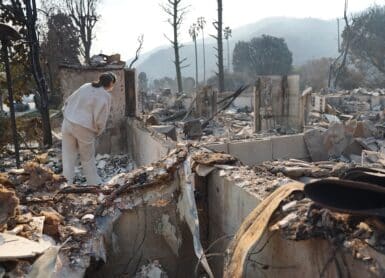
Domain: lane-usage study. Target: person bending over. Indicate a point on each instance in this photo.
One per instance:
(85, 116)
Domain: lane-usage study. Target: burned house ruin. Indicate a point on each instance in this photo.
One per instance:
(260, 182)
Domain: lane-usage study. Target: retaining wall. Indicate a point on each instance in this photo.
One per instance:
(146, 147)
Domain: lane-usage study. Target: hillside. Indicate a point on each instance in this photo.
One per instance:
(307, 38)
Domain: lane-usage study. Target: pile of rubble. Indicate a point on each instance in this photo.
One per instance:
(233, 125)
(305, 220)
(204, 120)
(107, 165)
(42, 220)
(343, 141)
(296, 169)
(259, 181)
(360, 104)
(360, 235)
(41, 214)
(48, 226)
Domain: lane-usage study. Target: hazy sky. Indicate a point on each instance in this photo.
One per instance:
(124, 20)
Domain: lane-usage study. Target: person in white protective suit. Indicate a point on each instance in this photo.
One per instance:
(85, 116)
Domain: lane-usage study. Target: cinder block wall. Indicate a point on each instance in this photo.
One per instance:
(254, 152)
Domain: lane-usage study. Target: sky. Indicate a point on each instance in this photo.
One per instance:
(122, 21)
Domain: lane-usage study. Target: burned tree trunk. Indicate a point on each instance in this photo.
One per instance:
(34, 53)
(176, 49)
(176, 13)
(201, 26)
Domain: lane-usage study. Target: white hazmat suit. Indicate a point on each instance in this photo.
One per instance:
(85, 116)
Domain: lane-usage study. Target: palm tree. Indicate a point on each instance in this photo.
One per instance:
(201, 21)
(193, 31)
(227, 34)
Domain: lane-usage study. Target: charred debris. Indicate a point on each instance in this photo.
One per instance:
(335, 194)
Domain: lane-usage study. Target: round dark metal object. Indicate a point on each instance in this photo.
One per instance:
(348, 196)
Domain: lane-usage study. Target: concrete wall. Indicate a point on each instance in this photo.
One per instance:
(142, 226)
(144, 146)
(71, 78)
(228, 207)
(307, 258)
(113, 140)
(295, 117)
(278, 101)
(273, 148)
(137, 240)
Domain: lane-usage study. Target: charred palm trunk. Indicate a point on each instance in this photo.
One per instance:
(221, 77)
(196, 64)
(228, 56)
(204, 56)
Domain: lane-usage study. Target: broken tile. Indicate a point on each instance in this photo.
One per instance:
(15, 247)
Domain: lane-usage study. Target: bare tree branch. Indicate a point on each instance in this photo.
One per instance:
(137, 53)
(84, 16)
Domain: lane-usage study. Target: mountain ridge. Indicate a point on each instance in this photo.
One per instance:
(307, 38)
